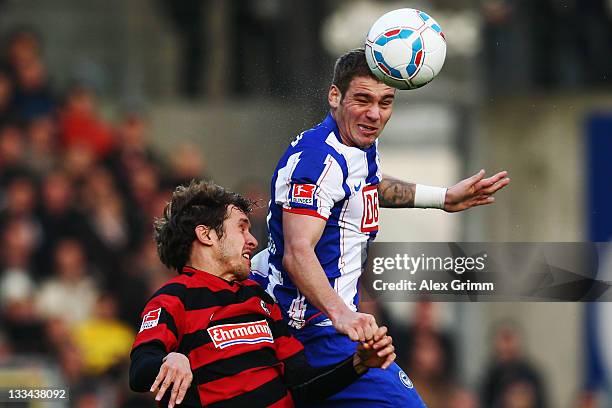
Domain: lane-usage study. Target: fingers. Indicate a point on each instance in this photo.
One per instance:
(382, 343)
(390, 359)
(160, 376)
(482, 200)
(174, 393)
(360, 333)
(352, 333)
(497, 186)
(370, 328)
(183, 389)
(380, 333)
(476, 177)
(492, 184)
(181, 384)
(169, 379)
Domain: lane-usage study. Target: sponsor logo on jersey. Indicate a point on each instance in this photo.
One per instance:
(303, 194)
(369, 218)
(405, 380)
(265, 307)
(150, 319)
(226, 335)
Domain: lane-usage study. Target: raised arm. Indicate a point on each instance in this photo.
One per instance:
(301, 233)
(470, 192)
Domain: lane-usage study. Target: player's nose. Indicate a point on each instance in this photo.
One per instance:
(373, 113)
(251, 241)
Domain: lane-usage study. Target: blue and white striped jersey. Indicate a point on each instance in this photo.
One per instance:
(319, 176)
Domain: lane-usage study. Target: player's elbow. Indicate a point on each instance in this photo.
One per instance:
(294, 253)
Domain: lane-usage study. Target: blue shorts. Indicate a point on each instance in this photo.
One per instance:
(377, 388)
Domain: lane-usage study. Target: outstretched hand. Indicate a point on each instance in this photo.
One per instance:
(475, 190)
(175, 371)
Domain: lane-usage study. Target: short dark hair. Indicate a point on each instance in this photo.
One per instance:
(198, 203)
(350, 65)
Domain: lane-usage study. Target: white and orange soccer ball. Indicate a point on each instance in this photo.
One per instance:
(405, 48)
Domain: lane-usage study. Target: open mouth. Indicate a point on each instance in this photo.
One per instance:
(367, 129)
(246, 256)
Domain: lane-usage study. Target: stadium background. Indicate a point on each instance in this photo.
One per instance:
(105, 105)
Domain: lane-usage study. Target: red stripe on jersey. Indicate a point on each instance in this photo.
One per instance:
(171, 304)
(229, 387)
(158, 333)
(208, 353)
(286, 347)
(304, 211)
(285, 402)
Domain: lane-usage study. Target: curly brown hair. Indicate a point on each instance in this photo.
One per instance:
(198, 203)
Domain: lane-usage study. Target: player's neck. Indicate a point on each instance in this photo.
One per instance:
(206, 262)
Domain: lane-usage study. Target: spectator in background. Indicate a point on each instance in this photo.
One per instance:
(12, 151)
(60, 218)
(41, 154)
(114, 232)
(510, 380)
(23, 328)
(7, 109)
(429, 356)
(103, 340)
(72, 292)
(80, 124)
(33, 94)
(131, 153)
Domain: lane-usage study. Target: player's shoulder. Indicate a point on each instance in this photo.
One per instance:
(177, 286)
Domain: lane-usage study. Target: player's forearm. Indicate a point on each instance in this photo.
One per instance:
(394, 193)
(144, 366)
(303, 267)
(310, 384)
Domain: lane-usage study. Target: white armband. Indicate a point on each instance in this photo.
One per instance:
(429, 196)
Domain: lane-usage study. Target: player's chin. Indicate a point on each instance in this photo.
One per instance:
(367, 141)
(242, 270)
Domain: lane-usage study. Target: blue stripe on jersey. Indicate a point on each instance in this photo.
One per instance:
(372, 178)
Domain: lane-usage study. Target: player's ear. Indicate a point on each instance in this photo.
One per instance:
(334, 97)
(203, 235)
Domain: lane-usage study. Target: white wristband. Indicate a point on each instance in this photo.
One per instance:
(429, 197)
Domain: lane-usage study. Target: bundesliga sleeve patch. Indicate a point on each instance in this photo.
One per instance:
(303, 194)
(150, 319)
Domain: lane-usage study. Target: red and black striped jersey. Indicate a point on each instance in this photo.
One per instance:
(232, 333)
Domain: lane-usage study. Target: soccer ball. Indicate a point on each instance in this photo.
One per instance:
(405, 48)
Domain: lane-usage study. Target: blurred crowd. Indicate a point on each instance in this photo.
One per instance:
(78, 194)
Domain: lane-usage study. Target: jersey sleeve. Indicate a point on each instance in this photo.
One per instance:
(311, 183)
(162, 319)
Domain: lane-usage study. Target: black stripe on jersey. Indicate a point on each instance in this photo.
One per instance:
(203, 298)
(201, 337)
(172, 289)
(263, 396)
(264, 357)
(279, 328)
(167, 319)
